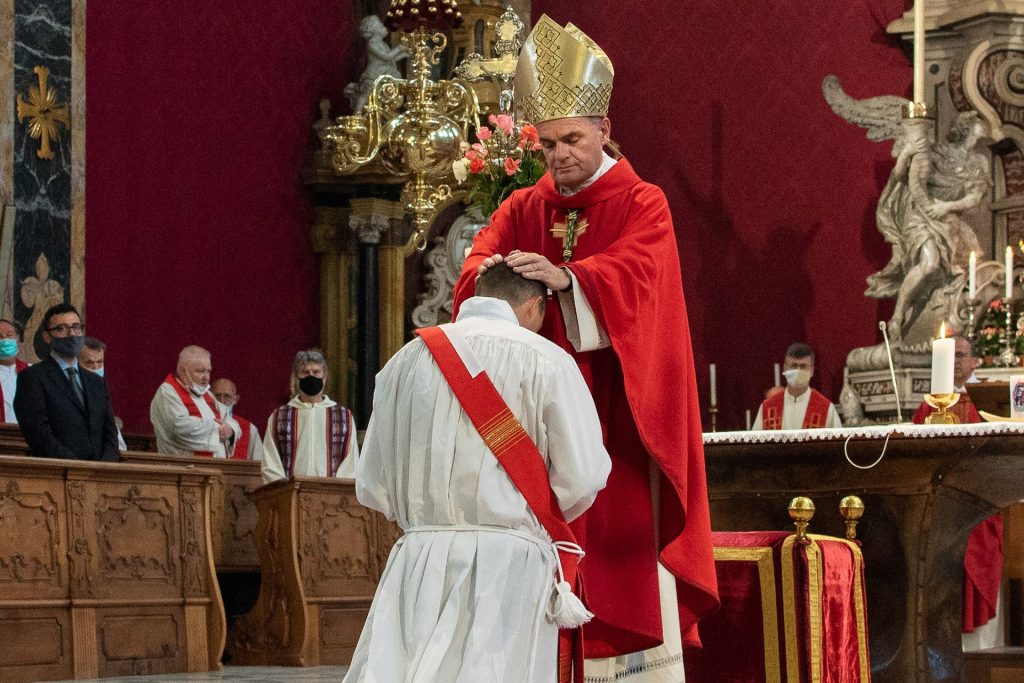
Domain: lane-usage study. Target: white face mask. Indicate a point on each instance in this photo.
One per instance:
(798, 378)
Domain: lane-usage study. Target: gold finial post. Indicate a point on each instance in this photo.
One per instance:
(852, 509)
(801, 511)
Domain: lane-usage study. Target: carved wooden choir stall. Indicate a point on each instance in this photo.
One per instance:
(322, 554)
(106, 569)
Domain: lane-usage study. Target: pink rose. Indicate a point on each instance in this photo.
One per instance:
(505, 123)
(483, 133)
(480, 149)
(511, 166)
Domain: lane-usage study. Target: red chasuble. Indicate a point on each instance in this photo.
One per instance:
(814, 418)
(627, 264)
(983, 560)
(241, 451)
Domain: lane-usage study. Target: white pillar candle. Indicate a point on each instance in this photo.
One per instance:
(972, 275)
(778, 375)
(943, 355)
(749, 422)
(714, 389)
(1009, 272)
(919, 51)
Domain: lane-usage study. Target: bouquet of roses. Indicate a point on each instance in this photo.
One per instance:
(991, 336)
(506, 158)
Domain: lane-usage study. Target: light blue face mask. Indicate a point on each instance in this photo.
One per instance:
(100, 371)
(8, 348)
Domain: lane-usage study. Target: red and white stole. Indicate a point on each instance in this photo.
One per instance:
(241, 451)
(286, 436)
(522, 461)
(19, 365)
(188, 399)
(814, 418)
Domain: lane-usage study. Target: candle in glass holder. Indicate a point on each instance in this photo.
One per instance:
(943, 356)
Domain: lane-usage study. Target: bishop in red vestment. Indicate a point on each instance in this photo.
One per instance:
(600, 236)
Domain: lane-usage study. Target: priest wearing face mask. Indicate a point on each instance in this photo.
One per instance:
(799, 406)
(187, 419)
(10, 367)
(311, 435)
(63, 412)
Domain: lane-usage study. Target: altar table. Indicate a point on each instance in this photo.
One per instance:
(933, 485)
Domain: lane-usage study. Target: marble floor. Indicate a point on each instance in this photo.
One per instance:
(264, 674)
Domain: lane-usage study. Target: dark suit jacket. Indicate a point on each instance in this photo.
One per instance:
(55, 423)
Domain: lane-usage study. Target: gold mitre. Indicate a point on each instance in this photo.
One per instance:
(561, 73)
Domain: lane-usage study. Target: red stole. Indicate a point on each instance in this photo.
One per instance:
(286, 436)
(983, 559)
(188, 399)
(524, 464)
(644, 387)
(19, 365)
(815, 417)
(241, 451)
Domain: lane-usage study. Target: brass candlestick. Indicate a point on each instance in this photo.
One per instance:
(942, 403)
(1008, 357)
(972, 306)
(801, 511)
(852, 509)
(714, 417)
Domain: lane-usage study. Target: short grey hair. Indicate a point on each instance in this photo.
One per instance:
(308, 357)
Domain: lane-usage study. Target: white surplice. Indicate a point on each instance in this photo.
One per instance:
(465, 593)
(178, 432)
(311, 444)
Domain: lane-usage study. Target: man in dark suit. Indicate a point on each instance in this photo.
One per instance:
(65, 412)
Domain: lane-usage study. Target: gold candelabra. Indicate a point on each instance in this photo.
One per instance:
(413, 126)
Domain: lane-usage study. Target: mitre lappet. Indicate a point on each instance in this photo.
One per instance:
(561, 73)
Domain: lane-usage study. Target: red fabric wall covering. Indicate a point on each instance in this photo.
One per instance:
(772, 194)
(198, 126)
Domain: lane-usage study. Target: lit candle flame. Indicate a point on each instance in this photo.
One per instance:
(942, 330)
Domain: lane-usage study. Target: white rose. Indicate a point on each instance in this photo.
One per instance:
(461, 169)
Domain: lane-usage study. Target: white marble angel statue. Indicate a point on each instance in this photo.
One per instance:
(919, 210)
(381, 60)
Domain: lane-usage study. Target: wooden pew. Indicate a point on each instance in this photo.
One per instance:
(106, 569)
(322, 554)
(232, 510)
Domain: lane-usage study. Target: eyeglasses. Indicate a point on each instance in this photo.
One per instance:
(61, 330)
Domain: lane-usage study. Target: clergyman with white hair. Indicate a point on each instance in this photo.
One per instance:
(187, 419)
(311, 435)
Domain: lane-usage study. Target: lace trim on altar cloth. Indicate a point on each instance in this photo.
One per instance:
(642, 667)
(907, 431)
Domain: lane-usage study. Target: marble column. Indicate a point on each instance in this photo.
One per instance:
(368, 229)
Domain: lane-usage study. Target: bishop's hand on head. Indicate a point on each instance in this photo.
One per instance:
(537, 267)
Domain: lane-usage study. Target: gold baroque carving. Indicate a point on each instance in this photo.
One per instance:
(124, 529)
(29, 536)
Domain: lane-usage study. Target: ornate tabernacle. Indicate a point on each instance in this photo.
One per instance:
(322, 554)
(933, 485)
(106, 569)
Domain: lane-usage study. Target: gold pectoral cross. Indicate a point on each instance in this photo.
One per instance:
(570, 231)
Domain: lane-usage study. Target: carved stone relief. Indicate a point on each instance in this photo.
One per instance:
(444, 262)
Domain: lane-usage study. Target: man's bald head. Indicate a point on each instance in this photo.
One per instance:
(225, 391)
(194, 366)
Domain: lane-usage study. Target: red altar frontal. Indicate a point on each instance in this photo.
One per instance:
(791, 611)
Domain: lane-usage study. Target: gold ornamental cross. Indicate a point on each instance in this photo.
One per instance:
(44, 115)
(570, 231)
